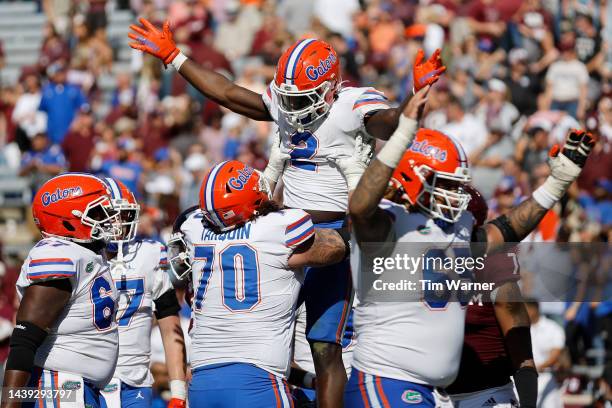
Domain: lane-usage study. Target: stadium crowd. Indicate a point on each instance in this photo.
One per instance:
(521, 73)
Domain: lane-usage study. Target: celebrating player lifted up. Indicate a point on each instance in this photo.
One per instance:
(394, 352)
(320, 124)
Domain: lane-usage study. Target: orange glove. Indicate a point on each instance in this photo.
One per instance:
(176, 403)
(426, 72)
(152, 41)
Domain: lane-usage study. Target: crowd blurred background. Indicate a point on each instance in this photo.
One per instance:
(75, 97)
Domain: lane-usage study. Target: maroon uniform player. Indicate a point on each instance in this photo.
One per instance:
(491, 352)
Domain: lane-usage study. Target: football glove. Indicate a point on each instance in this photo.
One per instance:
(152, 41)
(176, 403)
(565, 166)
(426, 72)
(276, 162)
(353, 167)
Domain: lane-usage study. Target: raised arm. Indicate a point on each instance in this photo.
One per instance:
(326, 247)
(566, 165)
(149, 39)
(41, 306)
(381, 124)
(370, 223)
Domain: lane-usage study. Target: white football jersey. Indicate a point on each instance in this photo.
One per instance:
(418, 340)
(84, 340)
(245, 295)
(311, 180)
(141, 280)
(302, 355)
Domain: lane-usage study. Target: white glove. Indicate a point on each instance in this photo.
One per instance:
(353, 167)
(565, 167)
(276, 162)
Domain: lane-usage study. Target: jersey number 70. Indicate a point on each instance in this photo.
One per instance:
(239, 276)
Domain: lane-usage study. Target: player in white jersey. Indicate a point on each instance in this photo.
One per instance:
(66, 335)
(246, 257)
(409, 340)
(139, 270)
(320, 122)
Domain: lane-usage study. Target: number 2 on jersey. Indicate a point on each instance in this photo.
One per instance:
(305, 146)
(237, 260)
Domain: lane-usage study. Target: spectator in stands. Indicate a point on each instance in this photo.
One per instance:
(61, 101)
(567, 81)
(29, 120)
(235, 35)
(532, 148)
(495, 110)
(488, 159)
(548, 340)
(523, 85)
(44, 161)
(80, 141)
(196, 165)
(1, 56)
(54, 48)
(469, 130)
(126, 168)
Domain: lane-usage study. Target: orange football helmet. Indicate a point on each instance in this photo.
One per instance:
(76, 207)
(231, 193)
(432, 175)
(129, 211)
(306, 80)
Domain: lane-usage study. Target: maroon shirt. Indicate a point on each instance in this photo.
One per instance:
(77, 148)
(484, 361)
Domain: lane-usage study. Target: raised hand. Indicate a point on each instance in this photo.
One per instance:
(426, 72)
(152, 41)
(414, 109)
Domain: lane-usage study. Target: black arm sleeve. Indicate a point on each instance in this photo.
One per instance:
(506, 229)
(526, 382)
(25, 340)
(166, 305)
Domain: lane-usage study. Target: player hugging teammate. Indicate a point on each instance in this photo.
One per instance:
(251, 261)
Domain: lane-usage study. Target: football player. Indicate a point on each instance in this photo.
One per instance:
(139, 270)
(493, 324)
(246, 264)
(404, 349)
(319, 121)
(65, 337)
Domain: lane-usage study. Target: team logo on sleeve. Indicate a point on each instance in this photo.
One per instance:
(412, 397)
(89, 268)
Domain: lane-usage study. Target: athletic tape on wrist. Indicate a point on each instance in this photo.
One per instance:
(178, 60)
(392, 152)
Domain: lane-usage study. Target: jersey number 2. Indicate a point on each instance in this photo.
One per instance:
(305, 146)
(239, 276)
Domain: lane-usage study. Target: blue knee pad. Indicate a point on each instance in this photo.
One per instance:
(328, 294)
(237, 385)
(365, 390)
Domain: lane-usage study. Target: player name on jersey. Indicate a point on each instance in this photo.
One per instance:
(243, 232)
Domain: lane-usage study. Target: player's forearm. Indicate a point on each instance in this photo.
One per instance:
(370, 190)
(223, 91)
(327, 248)
(174, 346)
(381, 124)
(509, 308)
(516, 225)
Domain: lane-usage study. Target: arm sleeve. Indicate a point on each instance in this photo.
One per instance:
(49, 260)
(299, 229)
(368, 102)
